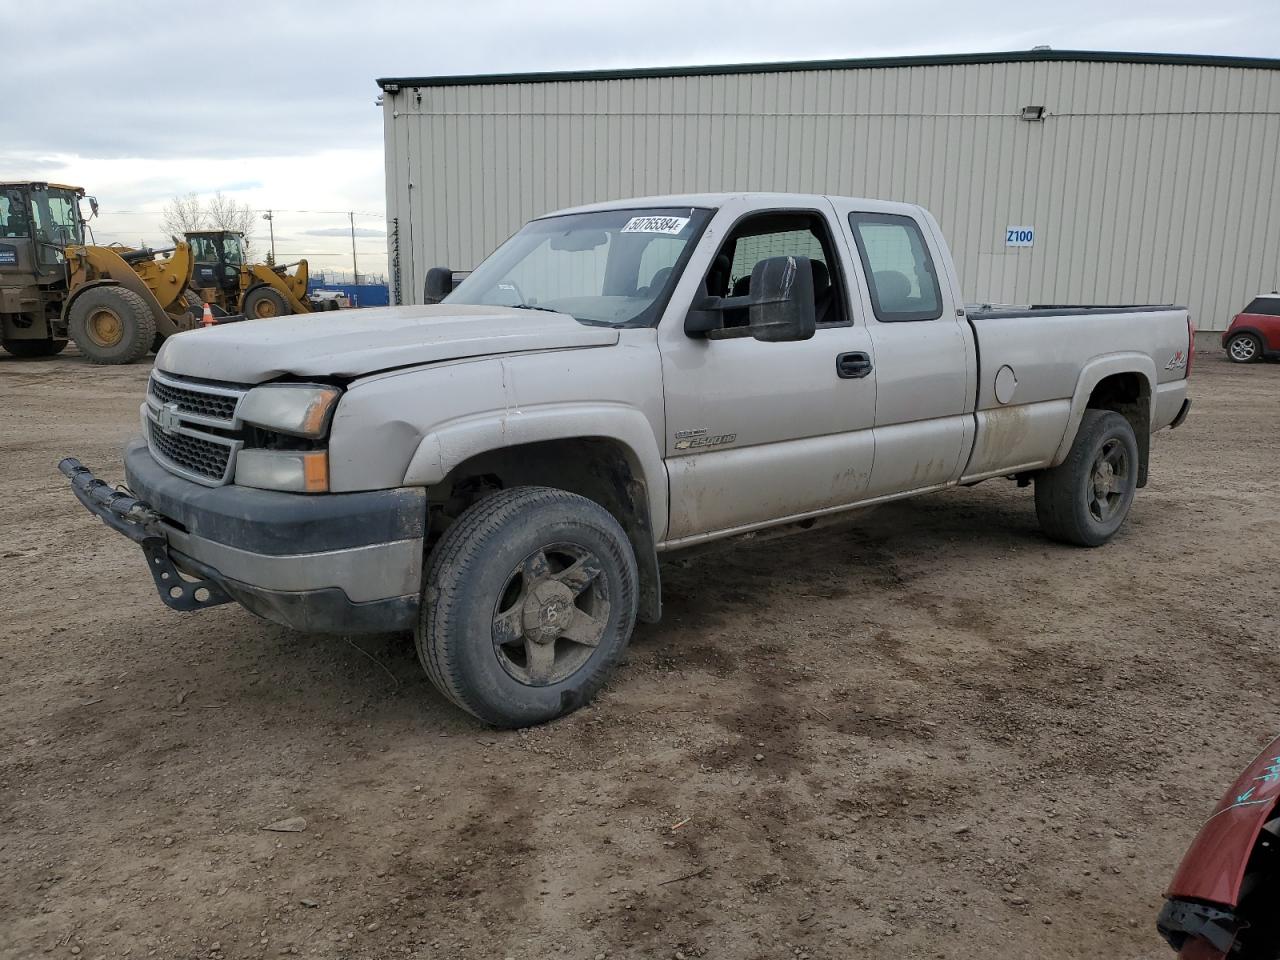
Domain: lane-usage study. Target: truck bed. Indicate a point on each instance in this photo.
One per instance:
(1045, 349)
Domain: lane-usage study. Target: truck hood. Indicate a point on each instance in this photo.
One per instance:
(351, 343)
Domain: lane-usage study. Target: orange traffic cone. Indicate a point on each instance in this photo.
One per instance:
(207, 320)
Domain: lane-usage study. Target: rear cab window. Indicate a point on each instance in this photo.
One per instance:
(900, 271)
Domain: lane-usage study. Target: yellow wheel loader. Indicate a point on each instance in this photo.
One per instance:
(260, 291)
(122, 302)
(116, 303)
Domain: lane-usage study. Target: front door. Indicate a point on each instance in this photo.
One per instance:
(761, 431)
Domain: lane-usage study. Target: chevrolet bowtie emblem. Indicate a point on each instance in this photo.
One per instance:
(167, 418)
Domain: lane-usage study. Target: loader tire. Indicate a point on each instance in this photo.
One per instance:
(31, 349)
(111, 325)
(1085, 499)
(263, 303)
(528, 602)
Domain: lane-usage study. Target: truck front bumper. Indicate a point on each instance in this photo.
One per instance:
(330, 563)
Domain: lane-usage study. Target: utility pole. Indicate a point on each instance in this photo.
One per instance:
(271, 226)
(354, 269)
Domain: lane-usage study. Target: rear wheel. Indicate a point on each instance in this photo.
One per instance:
(529, 600)
(111, 325)
(263, 303)
(1244, 348)
(1086, 498)
(30, 349)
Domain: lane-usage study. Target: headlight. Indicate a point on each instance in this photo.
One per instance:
(300, 471)
(299, 409)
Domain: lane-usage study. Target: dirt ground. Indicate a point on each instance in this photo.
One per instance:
(926, 732)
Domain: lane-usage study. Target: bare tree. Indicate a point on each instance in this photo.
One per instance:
(183, 213)
(188, 212)
(224, 213)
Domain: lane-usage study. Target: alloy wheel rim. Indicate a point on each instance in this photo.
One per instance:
(1242, 348)
(1108, 481)
(551, 614)
(105, 327)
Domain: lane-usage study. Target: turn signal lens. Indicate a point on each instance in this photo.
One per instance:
(296, 471)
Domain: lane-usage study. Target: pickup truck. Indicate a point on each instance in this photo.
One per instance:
(499, 472)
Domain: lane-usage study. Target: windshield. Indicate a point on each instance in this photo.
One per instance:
(56, 215)
(611, 268)
(235, 253)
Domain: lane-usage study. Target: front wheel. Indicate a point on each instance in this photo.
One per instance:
(529, 600)
(111, 325)
(263, 303)
(1086, 498)
(1244, 348)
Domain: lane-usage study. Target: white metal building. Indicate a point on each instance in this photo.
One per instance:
(1058, 176)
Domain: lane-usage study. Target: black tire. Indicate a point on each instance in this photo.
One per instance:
(111, 325)
(31, 349)
(263, 303)
(485, 564)
(1244, 348)
(1070, 503)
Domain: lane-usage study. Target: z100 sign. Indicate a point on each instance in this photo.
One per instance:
(1019, 236)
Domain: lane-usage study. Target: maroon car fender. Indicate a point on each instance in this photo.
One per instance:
(1213, 867)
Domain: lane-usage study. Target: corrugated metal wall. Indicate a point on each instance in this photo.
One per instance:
(1145, 183)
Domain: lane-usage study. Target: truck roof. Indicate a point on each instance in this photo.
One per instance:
(783, 200)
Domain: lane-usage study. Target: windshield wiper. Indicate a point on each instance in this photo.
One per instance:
(530, 306)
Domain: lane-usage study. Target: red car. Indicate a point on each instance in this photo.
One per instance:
(1255, 332)
(1224, 901)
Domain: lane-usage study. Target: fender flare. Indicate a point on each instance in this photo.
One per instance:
(1093, 373)
(451, 443)
(1254, 331)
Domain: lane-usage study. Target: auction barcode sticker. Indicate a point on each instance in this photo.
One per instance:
(671, 225)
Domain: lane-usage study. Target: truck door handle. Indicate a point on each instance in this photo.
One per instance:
(853, 366)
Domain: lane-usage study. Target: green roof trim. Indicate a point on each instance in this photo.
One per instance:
(866, 63)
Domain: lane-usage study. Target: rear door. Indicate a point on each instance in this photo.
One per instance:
(758, 432)
(922, 345)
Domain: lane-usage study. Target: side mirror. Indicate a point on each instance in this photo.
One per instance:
(781, 300)
(93, 205)
(438, 284)
(780, 305)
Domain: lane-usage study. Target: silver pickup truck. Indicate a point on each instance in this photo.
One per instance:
(500, 471)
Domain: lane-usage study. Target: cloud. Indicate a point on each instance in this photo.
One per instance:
(285, 120)
(345, 232)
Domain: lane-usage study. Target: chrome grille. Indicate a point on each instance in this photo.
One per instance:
(212, 405)
(192, 429)
(203, 456)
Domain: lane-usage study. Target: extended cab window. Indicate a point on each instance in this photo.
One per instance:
(778, 235)
(899, 269)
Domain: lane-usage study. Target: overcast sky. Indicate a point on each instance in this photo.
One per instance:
(273, 102)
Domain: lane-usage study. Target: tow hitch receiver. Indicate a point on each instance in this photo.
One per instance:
(135, 519)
